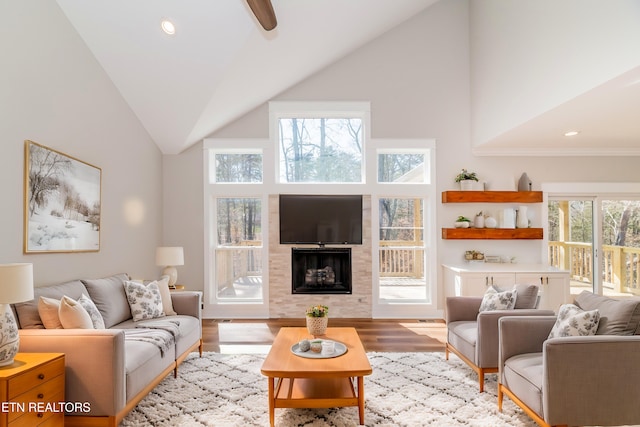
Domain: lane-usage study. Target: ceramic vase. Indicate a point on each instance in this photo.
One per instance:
(317, 325)
(478, 221)
(9, 338)
(467, 185)
(522, 221)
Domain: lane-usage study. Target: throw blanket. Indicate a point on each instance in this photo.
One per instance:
(161, 333)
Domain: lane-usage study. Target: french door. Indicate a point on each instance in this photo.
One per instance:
(597, 238)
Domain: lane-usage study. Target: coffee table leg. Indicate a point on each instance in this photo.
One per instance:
(361, 399)
(271, 402)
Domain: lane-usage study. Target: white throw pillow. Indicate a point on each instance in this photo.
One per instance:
(48, 311)
(572, 321)
(73, 315)
(165, 294)
(94, 313)
(494, 300)
(145, 301)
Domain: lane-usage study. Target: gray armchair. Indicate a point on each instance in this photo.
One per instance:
(473, 335)
(576, 380)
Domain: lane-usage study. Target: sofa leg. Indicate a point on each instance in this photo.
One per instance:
(201, 346)
(446, 351)
(500, 397)
(481, 379)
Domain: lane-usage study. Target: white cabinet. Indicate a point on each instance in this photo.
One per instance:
(473, 280)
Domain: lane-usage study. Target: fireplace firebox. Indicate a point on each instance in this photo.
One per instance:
(321, 270)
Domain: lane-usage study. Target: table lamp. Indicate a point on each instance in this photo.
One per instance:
(16, 285)
(170, 256)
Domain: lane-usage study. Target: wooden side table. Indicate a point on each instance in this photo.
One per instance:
(32, 391)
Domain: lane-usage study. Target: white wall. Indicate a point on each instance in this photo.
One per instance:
(417, 79)
(53, 91)
(529, 56)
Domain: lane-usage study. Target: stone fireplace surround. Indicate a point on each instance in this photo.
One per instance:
(284, 304)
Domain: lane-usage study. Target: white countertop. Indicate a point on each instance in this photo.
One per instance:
(496, 267)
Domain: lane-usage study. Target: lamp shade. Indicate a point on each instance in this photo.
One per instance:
(169, 255)
(16, 283)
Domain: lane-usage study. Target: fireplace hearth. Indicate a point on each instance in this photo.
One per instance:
(321, 271)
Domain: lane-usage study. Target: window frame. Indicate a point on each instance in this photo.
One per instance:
(315, 110)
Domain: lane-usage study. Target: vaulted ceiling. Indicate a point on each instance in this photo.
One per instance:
(220, 64)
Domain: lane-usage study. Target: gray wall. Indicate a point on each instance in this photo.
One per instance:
(55, 93)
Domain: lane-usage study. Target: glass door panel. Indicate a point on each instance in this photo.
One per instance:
(401, 250)
(621, 247)
(571, 238)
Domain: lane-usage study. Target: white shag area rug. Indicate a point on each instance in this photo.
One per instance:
(405, 389)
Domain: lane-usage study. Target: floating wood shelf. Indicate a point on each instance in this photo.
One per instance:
(492, 233)
(492, 196)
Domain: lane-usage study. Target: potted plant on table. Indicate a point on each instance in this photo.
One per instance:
(317, 319)
(466, 180)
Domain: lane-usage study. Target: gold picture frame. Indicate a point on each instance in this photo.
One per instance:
(62, 202)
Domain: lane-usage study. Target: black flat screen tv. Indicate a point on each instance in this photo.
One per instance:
(320, 219)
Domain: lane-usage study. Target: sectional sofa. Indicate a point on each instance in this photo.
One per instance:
(112, 369)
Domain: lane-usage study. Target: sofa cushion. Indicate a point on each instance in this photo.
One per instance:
(494, 300)
(617, 316)
(73, 315)
(48, 310)
(108, 295)
(463, 335)
(94, 313)
(526, 296)
(522, 374)
(145, 300)
(27, 312)
(573, 321)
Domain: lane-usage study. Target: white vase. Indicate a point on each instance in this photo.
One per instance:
(522, 221)
(317, 326)
(478, 221)
(490, 222)
(467, 185)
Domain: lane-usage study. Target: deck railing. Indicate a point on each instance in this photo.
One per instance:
(620, 268)
(401, 259)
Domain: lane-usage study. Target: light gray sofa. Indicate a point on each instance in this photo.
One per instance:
(107, 368)
(473, 335)
(574, 380)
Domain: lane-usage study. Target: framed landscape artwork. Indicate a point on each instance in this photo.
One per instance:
(61, 202)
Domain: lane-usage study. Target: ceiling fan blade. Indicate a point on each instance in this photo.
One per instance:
(263, 10)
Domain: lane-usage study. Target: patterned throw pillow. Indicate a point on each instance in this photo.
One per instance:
(145, 301)
(573, 321)
(494, 300)
(96, 317)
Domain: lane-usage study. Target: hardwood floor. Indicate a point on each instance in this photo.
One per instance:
(256, 335)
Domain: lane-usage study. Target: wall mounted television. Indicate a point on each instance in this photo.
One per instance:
(320, 219)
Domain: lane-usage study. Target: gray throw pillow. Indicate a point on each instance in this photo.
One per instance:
(526, 296)
(617, 316)
(108, 295)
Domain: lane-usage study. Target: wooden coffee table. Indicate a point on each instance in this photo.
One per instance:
(299, 382)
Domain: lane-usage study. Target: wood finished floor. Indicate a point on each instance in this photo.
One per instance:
(256, 335)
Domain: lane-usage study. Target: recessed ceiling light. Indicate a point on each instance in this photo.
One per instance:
(572, 133)
(168, 27)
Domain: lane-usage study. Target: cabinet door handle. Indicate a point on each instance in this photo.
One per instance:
(486, 281)
(40, 395)
(541, 281)
(40, 376)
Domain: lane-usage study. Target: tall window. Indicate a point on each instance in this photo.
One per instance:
(238, 258)
(317, 144)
